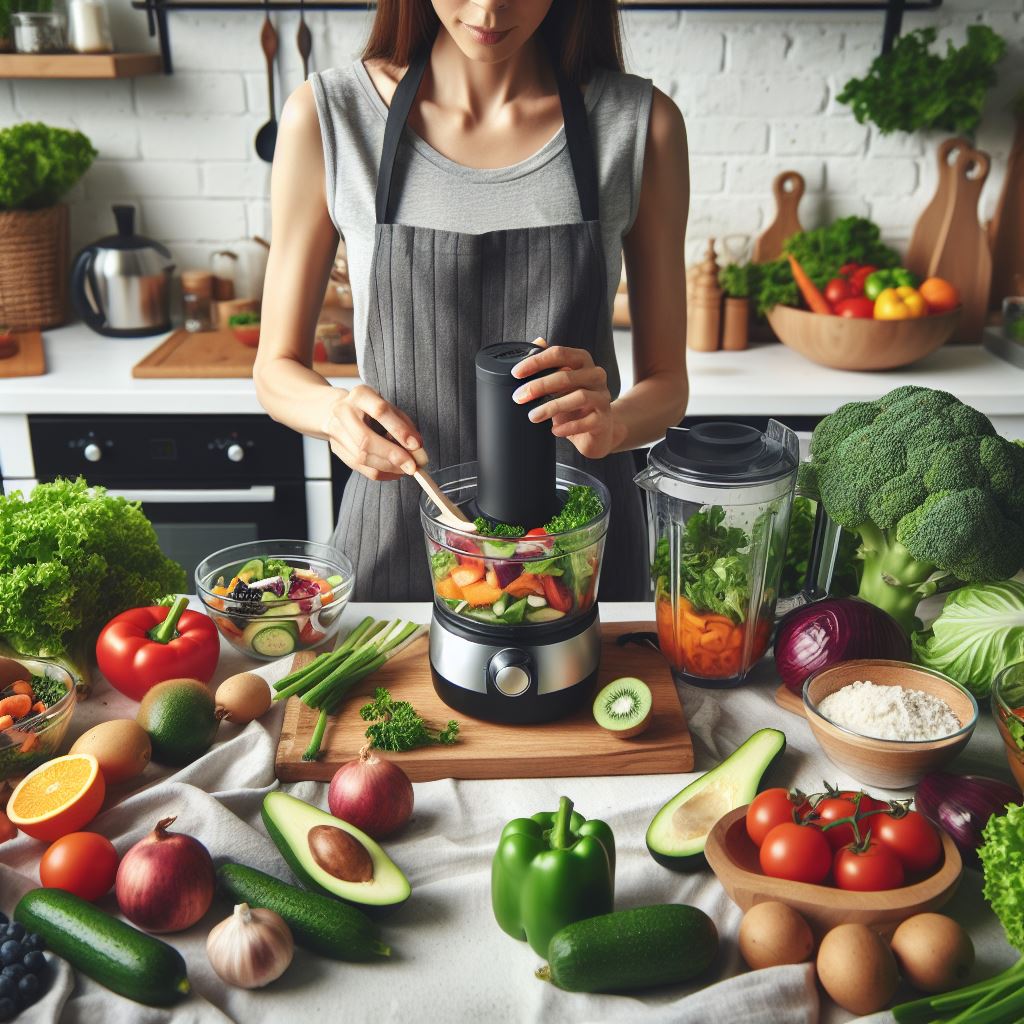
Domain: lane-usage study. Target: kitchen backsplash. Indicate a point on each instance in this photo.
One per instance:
(757, 89)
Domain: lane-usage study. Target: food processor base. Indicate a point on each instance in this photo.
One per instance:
(520, 678)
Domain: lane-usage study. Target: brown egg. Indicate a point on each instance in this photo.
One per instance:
(121, 746)
(772, 933)
(242, 698)
(934, 953)
(857, 968)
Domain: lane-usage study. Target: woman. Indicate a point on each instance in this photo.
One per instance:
(486, 161)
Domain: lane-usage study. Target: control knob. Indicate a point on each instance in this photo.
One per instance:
(236, 452)
(92, 452)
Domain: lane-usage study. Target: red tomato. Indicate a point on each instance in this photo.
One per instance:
(799, 853)
(837, 290)
(557, 593)
(869, 870)
(866, 803)
(912, 839)
(768, 809)
(537, 531)
(860, 275)
(82, 863)
(848, 269)
(832, 809)
(856, 308)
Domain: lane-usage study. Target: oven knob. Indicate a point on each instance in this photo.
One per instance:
(236, 452)
(92, 452)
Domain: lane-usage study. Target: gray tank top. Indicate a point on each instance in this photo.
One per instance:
(438, 193)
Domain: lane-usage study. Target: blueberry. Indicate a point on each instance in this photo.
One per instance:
(8, 1009)
(16, 931)
(30, 989)
(16, 971)
(35, 962)
(34, 942)
(12, 952)
(8, 987)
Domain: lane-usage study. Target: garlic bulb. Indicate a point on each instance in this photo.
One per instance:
(251, 948)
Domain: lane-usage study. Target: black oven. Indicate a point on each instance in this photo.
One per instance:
(204, 481)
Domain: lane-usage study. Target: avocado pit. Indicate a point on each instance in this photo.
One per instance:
(340, 854)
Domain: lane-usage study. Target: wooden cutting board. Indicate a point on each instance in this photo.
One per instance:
(789, 701)
(213, 354)
(1007, 229)
(925, 239)
(788, 188)
(29, 360)
(574, 746)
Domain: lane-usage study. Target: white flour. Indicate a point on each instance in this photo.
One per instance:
(889, 712)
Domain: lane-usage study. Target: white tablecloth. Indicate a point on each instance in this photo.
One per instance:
(451, 962)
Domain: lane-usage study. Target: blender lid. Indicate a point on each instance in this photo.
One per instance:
(733, 453)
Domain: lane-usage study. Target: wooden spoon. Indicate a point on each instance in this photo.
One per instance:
(266, 137)
(450, 514)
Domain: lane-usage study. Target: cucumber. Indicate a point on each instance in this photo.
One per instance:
(272, 639)
(536, 601)
(632, 949)
(544, 614)
(515, 612)
(113, 953)
(483, 615)
(500, 605)
(318, 923)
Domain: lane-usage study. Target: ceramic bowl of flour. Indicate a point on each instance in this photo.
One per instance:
(888, 723)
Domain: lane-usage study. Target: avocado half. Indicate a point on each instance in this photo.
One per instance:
(677, 834)
(289, 821)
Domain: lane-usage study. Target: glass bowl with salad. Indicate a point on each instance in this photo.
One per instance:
(37, 700)
(518, 574)
(271, 598)
(1008, 711)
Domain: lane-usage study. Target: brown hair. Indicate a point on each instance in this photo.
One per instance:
(585, 35)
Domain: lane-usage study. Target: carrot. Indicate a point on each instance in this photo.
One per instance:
(22, 686)
(30, 743)
(524, 585)
(449, 589)
(5, 722)
(38, 708)
(466, 575)
(808, 289)
(481, 593)
(16, 706)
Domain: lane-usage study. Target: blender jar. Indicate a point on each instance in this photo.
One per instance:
(719, 497)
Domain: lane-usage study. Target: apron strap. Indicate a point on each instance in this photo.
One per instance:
(577, 138)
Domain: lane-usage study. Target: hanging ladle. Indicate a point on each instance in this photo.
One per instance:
(304, 40)
(266, 137)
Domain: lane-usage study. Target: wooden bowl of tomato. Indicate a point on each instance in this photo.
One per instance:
(736, 861)
(858, 343)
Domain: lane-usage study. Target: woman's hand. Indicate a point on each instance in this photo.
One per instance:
(349, 429)
(581, 406)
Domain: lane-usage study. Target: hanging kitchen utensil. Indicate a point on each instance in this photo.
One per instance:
(266, 137)
(1007, 232)
(925, 238)
(962, 254)
(304, 40)
(788, 188)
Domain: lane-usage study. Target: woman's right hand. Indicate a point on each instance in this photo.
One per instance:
(352, 438)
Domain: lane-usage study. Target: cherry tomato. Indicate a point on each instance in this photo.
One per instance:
(768, 809)
(847, 269)
(799, 853)
(82, 863)
(912, 839)
(838, 289)
(537, 531)
(869, 870)
(855, 308)
(832, 809)
(867, 803)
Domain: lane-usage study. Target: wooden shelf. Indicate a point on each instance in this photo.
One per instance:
(79, 65)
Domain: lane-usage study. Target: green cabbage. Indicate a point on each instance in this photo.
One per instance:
(979, 631)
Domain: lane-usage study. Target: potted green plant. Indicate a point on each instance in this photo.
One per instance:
(737, 283)
(38, 165)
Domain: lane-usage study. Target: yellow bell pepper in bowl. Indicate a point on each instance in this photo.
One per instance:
(903, 303)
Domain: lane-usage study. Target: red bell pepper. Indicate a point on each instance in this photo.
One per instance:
(557, 594)
(145, 646)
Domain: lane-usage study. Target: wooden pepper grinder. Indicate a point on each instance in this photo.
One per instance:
(704, 317)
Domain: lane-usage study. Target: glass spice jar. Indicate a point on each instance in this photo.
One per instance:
(197, 300)
(39, 31)
(89, 26)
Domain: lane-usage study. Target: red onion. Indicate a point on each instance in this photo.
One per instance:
(165, 882)
(371, 793)
(962, 805)
(824, 633)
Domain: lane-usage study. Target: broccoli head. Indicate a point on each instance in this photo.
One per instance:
(935, 494)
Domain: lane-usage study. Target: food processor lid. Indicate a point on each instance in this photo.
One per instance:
(126, 239)
(732, 454)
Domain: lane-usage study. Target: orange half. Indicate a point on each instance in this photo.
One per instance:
(59, 797)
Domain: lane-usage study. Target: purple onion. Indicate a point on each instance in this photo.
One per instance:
(303, 591)
(507, 572)
(962, 805)
(837, 629)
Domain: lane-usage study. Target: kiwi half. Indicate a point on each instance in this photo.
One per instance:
(623, 707)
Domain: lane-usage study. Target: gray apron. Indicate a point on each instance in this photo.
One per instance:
(436, 297)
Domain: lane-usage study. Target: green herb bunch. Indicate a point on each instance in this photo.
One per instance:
(911, 89)
(396, 726)
(505, 530)
(738, 279)
(38, 164)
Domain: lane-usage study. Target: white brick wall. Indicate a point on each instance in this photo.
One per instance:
(757, 89)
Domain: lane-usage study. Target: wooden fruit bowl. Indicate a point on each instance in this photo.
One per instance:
(845, 343)
(734, 860)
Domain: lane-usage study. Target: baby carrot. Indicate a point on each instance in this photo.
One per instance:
(16, 706)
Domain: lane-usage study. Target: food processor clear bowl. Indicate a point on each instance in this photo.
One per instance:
(529, 582)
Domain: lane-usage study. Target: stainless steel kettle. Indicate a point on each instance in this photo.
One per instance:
(120, 285)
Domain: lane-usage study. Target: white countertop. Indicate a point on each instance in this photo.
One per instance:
(89, 374)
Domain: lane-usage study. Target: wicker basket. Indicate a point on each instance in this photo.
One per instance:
(34, 254)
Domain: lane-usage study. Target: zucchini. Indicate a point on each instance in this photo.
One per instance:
(113, 953)
(544, 615)
(272, 639)
(320, 924)
(632, 949)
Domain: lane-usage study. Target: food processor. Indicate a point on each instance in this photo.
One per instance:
(719, 496)
(515, 635)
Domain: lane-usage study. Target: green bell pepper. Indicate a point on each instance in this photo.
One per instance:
(895, 277)
(549, 871)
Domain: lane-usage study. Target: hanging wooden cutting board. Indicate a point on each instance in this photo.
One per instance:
(573, 746)
(925, 239)
(29, 360)
(788, 188)
(1007, 231)
(213, 354)
(962, 253)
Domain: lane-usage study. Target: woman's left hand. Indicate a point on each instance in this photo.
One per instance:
(581, 407)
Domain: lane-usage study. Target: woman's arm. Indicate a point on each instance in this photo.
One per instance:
(304, 245)
(583, 410)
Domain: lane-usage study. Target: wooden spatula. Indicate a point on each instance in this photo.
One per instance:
(451, 514)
